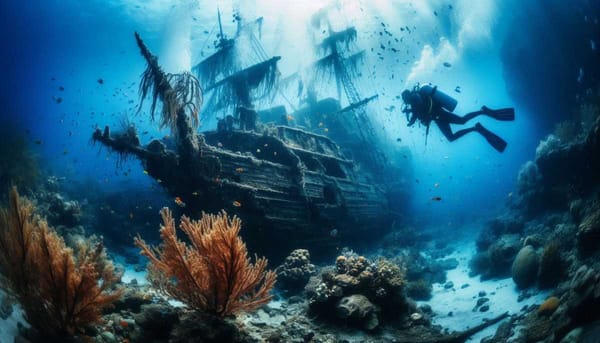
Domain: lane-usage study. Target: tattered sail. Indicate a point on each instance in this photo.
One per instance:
(239, 72)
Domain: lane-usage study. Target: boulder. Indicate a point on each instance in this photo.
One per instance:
(525, 267)
(358, 308)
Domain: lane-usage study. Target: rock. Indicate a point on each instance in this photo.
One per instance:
(464, 285)
(482, 294)
(448, 285)
(157, 320)
(482, 301)
(549, 306)
(204, 328)
(108, 337)
(484, 308)
(584, 277)
(525, 267)
(358, 307)
(497, 260)
(588, 235)
(132, 300)
(574, 336)
(448, 264)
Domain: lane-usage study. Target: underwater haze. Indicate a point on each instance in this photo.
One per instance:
(302, 133)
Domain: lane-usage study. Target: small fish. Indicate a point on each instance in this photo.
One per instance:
(289, 117)
(457, 89)
(237, 203)
(258, 151)
(65, 152)
(61, 88)
(220, 145)
(436, 185)
(179, 202)
(266, 145)
(216, 180)
(447, 65)
(436, 198)
(510, 194)
(239, 170)
(398, 139)
(100, 81)
(194, 193)
(321, 124)
(326, 130)
(417, 180)
(333, 233)
(145, 172)
(159, 180)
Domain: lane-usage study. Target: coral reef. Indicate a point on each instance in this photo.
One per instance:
(212, 275)
(295, 271)
(60, 290)
(497, 260)
(380, 282)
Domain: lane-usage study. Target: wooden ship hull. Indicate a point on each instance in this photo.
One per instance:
(291, 188)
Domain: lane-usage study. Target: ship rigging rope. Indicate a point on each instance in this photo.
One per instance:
(208, 37)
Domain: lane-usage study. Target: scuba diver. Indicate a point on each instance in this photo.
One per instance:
(426, 103)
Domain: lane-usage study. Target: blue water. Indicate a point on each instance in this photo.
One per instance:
(75, 44)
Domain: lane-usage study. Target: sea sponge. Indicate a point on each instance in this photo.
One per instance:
(525, 267)
(548, 306)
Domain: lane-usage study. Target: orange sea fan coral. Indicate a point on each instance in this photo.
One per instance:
(59, 293)
(214, 273)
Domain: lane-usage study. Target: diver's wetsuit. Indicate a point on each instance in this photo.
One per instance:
(424, 108)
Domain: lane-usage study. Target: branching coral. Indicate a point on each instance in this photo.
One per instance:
(214, 273)
(59, 293)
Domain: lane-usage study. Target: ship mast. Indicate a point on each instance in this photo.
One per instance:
(344, 68)
(238, 73)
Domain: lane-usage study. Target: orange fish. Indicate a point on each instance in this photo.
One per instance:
(290, 118)
(179, 202)
(436, 198)
(237, 203)
(239, 170)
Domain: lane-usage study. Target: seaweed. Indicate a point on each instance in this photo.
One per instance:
(179, 93)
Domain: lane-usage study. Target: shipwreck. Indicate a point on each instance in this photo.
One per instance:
(290, 186)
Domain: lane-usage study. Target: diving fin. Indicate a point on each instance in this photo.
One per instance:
(495, 141)
(504, 114)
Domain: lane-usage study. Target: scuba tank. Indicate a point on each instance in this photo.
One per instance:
(439, 97)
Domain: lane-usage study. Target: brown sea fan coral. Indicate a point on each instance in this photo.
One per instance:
(214, 273)
(59, 293)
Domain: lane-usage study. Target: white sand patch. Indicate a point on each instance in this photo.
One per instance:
(130, 274)
(460, 302)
